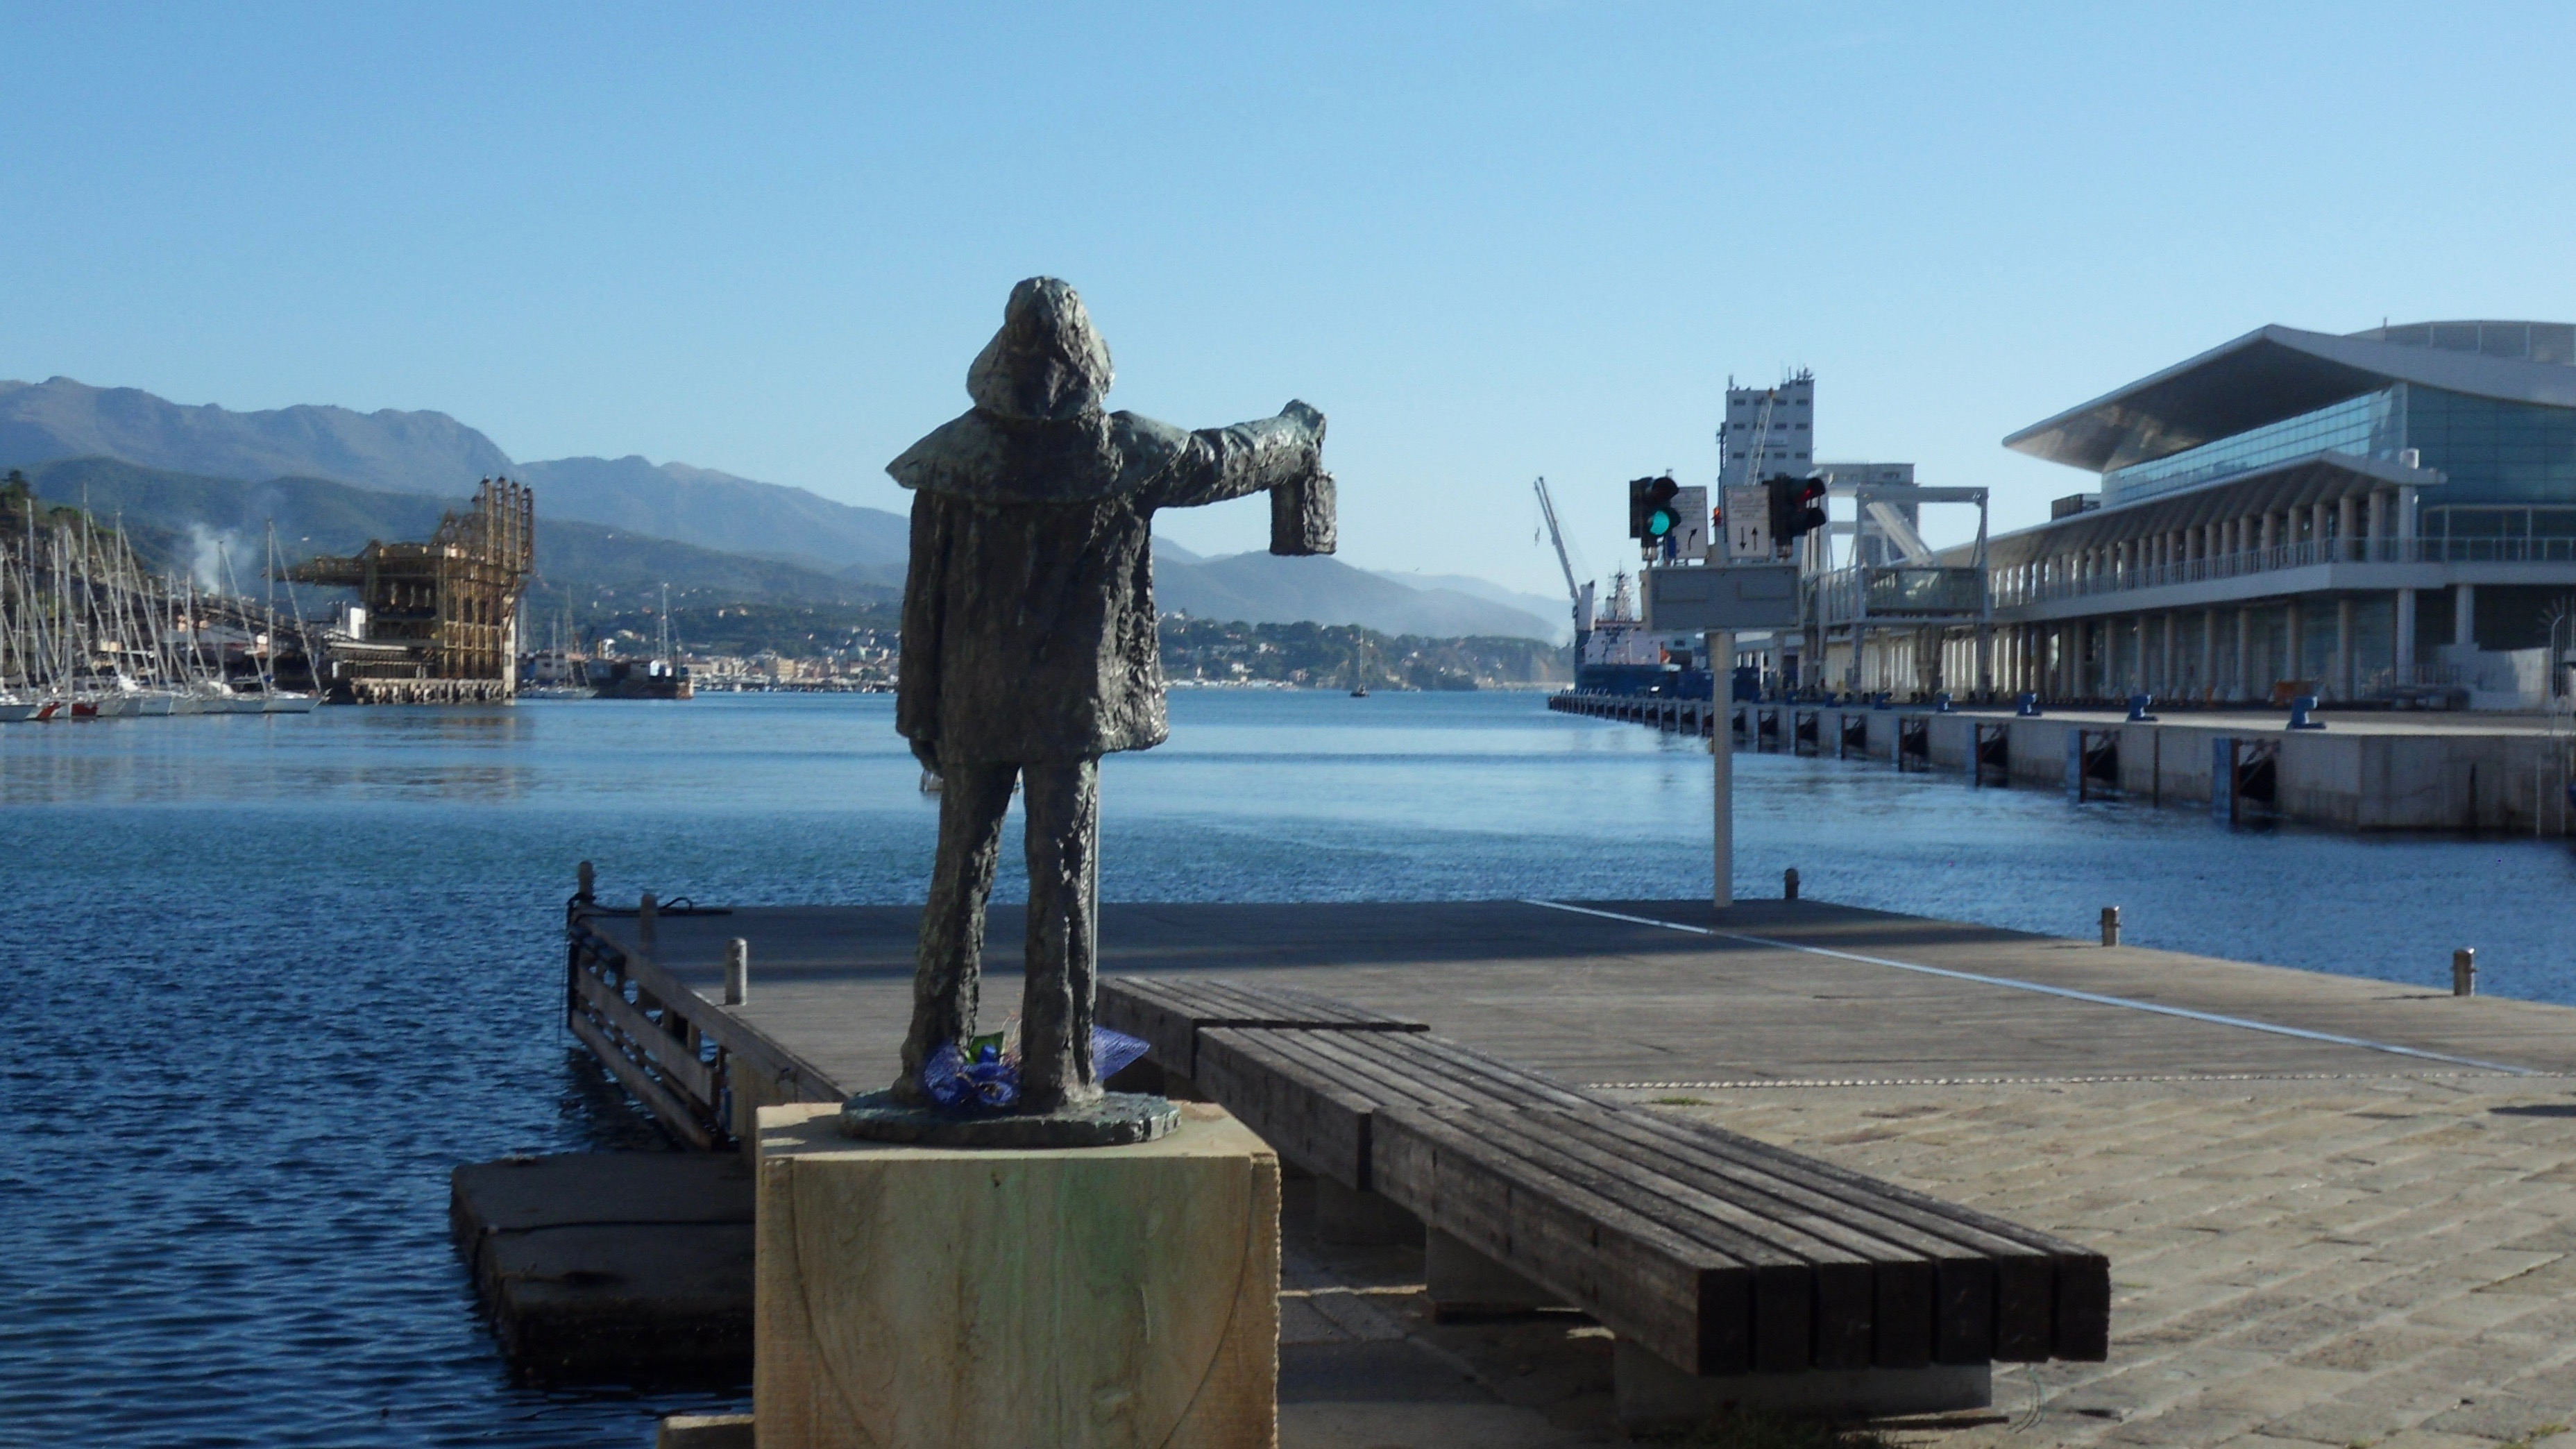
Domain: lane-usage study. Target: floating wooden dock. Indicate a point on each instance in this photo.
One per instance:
(2362, 771)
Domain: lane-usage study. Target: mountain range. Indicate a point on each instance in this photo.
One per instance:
(331, 478)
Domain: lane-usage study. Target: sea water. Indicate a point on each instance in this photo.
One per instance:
(270, 978)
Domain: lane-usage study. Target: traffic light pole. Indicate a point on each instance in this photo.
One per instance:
(1721, 750)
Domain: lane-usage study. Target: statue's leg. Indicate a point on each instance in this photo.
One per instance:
(1063, 802)
(972, 801)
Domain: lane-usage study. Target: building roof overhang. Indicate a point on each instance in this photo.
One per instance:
(2325, 477)
(2262, 377)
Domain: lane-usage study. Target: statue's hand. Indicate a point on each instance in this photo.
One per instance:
(926, 751)
(1306, 417)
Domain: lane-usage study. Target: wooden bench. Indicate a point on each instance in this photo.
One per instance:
(1168, 1012)
(1718, 1254)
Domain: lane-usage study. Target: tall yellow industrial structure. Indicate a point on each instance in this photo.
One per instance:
(441, 618)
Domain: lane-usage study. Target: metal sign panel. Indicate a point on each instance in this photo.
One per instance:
(1733, 597)
(1748, 523)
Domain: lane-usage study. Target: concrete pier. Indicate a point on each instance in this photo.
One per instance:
(2338, 1208)
(2364, 771)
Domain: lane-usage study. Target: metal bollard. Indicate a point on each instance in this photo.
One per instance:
(2110, 925)
(587, 881)
(1789, 884)
(737, 971)
(2464, 971)
(645, 910)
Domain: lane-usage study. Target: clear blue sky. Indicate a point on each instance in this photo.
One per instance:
(1491, 241)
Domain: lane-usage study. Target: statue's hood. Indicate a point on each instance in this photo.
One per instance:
(1047, 364)
(1037, 433)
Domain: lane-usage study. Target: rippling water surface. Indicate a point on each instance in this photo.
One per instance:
(270, 979)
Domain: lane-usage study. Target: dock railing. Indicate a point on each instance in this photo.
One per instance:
(693, 1063)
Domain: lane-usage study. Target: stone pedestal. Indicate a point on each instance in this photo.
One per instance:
(1105, 1296)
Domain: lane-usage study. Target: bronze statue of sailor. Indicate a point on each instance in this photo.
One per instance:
(1029, 651)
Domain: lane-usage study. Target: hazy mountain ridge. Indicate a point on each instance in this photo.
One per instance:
(229, 472)
(432, 453)
(313, 515)
(406, 452)
(1261, 588)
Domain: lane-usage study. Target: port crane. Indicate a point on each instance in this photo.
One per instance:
(1580, 594)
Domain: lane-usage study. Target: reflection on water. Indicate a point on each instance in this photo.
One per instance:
(272, 977)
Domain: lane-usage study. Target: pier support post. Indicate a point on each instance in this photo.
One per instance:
(647, 911)
(2110, 925)
(586, 883)
(2464, 971)
(1721, 691)
(2464, 616)
(737, 971)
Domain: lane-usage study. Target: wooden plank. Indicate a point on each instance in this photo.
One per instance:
(668, 1108)
(669, 1054)
(1683, 1301)
(1859, 1279)
(2029, 1267)
(1167, 1012)
(1832, 1328)
(1306, 1116)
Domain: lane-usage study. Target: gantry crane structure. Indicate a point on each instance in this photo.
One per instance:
(442, 616)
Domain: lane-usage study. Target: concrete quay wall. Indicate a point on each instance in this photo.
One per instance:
(2373, 773)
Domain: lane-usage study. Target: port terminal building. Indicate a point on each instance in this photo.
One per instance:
(2389, 514)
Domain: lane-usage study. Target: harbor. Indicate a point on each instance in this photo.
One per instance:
(2327, 1204)
(2355, 770)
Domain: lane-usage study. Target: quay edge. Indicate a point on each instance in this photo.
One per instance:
(2367, 772)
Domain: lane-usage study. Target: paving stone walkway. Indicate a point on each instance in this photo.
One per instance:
(2387, 1261)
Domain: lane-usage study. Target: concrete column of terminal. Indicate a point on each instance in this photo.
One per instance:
(2464, 615)
(2270, 536)
(2320, 524)
(2294, 639)
(2244, 654)
(2403, 646)
(2343, 679)
(2165, 682)
(2208, 680)
(2377, 528)
(2343, 529)
(2138, 653)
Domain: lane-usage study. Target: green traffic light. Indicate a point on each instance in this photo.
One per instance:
(1660, 522)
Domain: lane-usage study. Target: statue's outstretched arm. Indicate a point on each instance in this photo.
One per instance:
(1222, 463)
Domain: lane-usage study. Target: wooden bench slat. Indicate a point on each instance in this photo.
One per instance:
(1830, 1328)
(1468, 1077)
(1943, 1313)
(1167, 1013)
(1876, 1302)
(1681, 1300)
(1314, 1121)
(2052, 1298)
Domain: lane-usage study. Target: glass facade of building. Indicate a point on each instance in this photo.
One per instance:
(2494, 452)
(2510, 467)
(2370, 426)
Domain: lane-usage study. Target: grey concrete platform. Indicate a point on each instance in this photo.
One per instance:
(2360, 1231)
(1786, 991)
